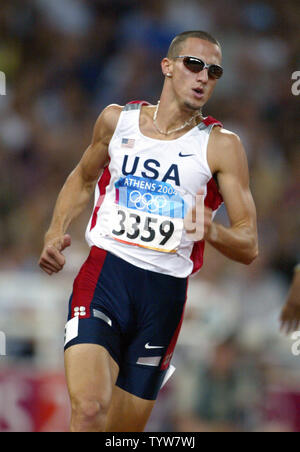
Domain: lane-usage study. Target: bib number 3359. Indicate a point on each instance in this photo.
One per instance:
(148, 231)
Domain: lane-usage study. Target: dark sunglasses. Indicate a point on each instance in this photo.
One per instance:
(195, 65)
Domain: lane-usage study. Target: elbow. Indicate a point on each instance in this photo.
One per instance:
(251, 255)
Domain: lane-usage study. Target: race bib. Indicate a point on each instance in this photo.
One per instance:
(147, 213)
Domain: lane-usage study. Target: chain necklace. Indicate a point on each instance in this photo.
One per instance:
(187, 123)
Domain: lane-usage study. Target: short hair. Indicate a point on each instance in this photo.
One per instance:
(178, 41)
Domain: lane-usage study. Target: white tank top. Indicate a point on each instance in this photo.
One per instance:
(145, 192)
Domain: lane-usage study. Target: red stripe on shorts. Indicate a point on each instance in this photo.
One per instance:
(169, 353)
(85, 283)
(102, 184)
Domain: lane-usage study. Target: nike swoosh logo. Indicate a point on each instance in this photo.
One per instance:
(149, 347)
(185, 155)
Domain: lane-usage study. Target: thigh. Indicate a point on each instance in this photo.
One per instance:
(159, 312)
(99, 307)
(128, 413)
(90, 372)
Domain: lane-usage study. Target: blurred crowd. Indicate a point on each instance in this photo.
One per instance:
(65, 60)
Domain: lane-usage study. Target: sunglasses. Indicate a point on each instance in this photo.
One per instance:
(195, 65)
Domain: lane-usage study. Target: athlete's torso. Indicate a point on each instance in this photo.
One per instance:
(145, 192)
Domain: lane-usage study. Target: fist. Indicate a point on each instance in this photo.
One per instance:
(52, 260)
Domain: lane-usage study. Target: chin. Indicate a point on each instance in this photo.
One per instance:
(193, 106)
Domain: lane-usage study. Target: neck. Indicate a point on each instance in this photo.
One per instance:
(171, 115)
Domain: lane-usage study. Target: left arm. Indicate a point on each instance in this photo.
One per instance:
(227, 158)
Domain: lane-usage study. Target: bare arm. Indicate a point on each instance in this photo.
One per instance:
(77, 190)
(227, 158)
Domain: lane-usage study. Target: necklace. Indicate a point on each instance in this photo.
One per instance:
(187, 123)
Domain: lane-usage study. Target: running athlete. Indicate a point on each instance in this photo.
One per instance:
(145, 163)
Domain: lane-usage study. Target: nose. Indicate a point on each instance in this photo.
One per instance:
(202, 76)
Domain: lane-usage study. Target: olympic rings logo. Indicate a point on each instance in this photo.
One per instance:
(147, 200)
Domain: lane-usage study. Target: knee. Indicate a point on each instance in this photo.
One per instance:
(89, 413)
(88, 408)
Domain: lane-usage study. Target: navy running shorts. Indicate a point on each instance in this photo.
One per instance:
(135, 314)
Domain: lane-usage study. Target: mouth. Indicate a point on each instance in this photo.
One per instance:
(198, 92)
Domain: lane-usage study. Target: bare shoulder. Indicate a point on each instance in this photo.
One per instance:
(225, 148)
(223, 138)
(107, 122)
(111, 114)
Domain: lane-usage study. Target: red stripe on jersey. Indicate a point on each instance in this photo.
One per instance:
(210, 120)
(197, 255)
(143, 102)
(169, 353)
(102, 184)
(213, 200)
(86, 281)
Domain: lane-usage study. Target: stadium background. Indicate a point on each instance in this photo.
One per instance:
(64, 61)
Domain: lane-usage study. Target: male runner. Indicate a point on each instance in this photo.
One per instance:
(128, 299)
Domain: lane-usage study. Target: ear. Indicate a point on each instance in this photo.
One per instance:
(167, 67)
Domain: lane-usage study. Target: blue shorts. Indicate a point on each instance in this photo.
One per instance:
(135, 314)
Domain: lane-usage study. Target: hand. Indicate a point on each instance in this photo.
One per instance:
(198, 220)
(290, 314)
(52, 260)
(290, 318)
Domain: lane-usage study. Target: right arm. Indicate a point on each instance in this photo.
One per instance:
(77, 190)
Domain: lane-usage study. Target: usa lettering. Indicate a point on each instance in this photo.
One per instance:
(150, 167)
